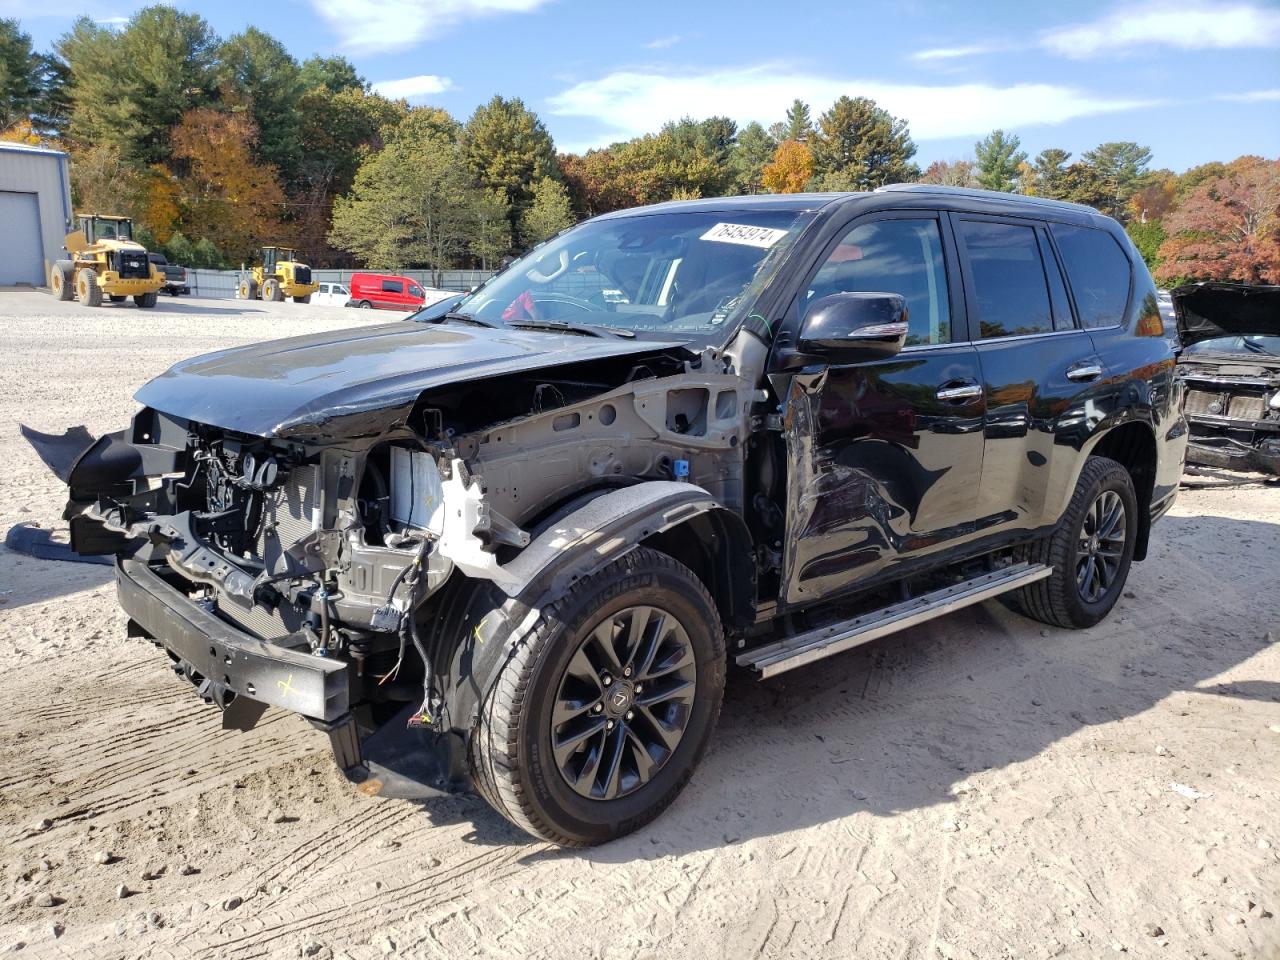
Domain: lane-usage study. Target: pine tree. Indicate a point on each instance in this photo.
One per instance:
(998, 158)
(548, 214)
(860, 146)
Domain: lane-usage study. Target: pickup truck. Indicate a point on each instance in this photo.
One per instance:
(175, 277)
(517, 547)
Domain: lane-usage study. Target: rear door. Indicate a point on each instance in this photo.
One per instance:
(1039, 367)
(884, 457)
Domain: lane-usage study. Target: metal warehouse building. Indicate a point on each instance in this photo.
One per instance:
(35, 211)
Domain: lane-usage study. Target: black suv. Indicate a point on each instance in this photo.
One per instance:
(519, 547)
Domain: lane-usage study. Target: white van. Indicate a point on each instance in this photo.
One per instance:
(331, 295)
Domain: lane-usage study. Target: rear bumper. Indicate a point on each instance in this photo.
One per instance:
(1234, 456)
(224, 662)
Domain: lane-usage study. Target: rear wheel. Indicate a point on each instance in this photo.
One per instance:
(87, 289)
(248, 290)
(146, 299)
(62, 280)
(306, 299)
(1090, 551)
(597, 719)
(365, 305)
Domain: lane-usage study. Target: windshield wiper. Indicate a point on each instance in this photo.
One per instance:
(561, 326)
(1257, 347)
(468, 318)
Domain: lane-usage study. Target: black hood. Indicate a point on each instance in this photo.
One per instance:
(301, 385)
(1206, 311)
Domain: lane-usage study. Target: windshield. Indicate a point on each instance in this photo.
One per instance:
(1250, 346)
(683, 272)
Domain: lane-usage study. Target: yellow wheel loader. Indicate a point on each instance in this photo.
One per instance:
(280, 275)
(105, 261)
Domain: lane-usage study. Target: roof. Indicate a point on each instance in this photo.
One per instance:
(796, 202)
(1018, 198)
(102, 216)
(28, 148)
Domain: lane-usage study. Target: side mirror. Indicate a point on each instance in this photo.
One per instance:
(854, 327)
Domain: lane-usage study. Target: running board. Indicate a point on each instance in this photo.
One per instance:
(783, 655)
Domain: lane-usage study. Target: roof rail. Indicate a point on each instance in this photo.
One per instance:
(981, 195)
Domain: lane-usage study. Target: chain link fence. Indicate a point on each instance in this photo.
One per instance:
(223, 283)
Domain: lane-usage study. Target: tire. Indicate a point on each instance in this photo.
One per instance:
(306, 299)
(87, 289)
(365, 305)
(62, 280)
(271, 290)
(174, 293)
(1060, 600)
(146, 300)
(117, 297)
(512, 761)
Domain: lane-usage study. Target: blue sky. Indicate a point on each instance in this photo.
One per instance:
(1195, 81)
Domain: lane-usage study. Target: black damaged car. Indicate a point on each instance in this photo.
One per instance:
(518, 548)
(1230, 365)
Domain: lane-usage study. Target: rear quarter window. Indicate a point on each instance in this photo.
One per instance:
(392, 286)
(1098, 272)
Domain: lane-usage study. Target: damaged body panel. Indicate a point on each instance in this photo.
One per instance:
(1230, 367)
(668, 432)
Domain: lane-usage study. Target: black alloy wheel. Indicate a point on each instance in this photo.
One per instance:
(623, 702)
(1101, 549)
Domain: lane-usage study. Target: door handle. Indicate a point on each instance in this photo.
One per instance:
(959, 390)
(1084, 371)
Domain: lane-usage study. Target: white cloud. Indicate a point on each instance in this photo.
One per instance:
(376, 25)
(662, 43)
(1193, 26)
(954, 53)
(413, 88)
(1250, 96)
(630, 103)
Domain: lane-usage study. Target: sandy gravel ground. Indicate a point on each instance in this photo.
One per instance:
(978, 787)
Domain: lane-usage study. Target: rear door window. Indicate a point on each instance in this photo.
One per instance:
(392, 286)
(1098, 272)
(1009, 289)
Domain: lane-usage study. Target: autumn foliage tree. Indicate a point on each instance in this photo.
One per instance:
(791, 169)
(1228, 228)
(223, 193)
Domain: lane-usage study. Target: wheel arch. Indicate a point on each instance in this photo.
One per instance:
(1132, 444)
(475, 623)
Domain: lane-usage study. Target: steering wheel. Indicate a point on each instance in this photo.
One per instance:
(563, 299)
(537, 276)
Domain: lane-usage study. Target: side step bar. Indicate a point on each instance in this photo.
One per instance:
(774, 658)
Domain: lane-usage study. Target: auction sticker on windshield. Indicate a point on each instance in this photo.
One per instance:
(745, 234)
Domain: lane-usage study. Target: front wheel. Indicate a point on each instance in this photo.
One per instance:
(1090, 551)
(145, 300)
(596, 721)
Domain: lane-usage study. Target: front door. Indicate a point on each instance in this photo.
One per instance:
(884, 457)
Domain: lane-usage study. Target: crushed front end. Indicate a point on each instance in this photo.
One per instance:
(278, 573)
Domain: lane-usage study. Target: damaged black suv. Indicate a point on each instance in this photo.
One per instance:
(517, 548)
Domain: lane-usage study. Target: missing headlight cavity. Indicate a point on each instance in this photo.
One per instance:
(687, 411)
(416, 496)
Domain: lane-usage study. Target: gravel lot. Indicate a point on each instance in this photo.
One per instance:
(981, 786)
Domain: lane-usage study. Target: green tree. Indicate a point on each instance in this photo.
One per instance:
(861, 146)
(1049, 174)
(507, 148)
(255, 72)
(998, 159)
(1147, 236)
(206, 256)
(130, 88)
(180, 250)
(491, 234)
(335, 74)
(19, 79)
(797, 126)
(752, 152)
(548, 214)
(413, 202)
(1121, 169)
